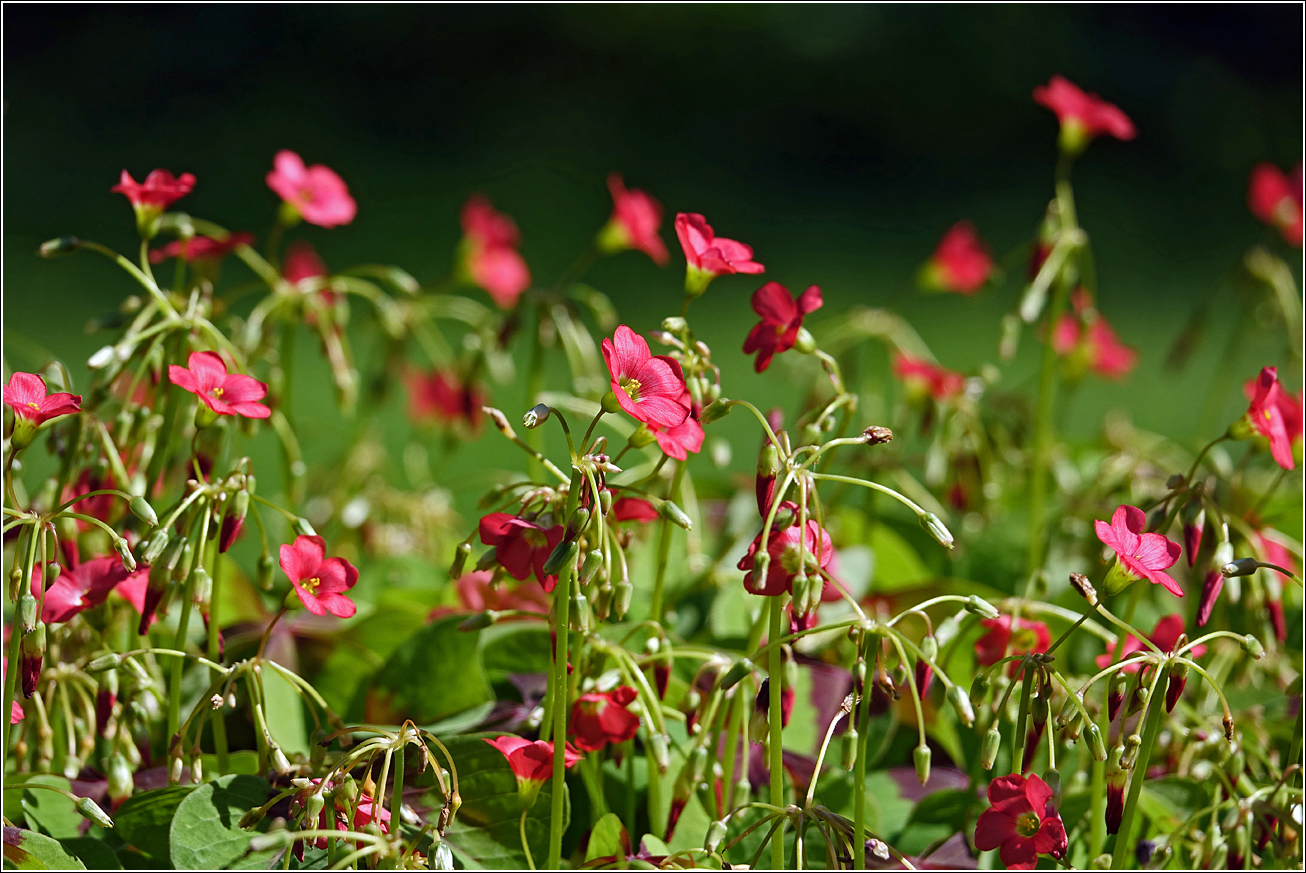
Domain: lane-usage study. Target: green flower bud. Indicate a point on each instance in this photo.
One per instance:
(90, 810)
(124, 551)
(1240, 567)
(593, 561)
(989, 748)
(716, 833)
(104, 662)
(459, 560)
(562, 555)
(579, 614)
(1253, 647)
(610, 403)
(479, 621)
(280, 764)
(27, 609)
(155, 545)
(674, 514)
(119, 774)
(536, 416)
(981, 607)
(623, 592)
(1095, 742)
(921, 757)
(941, 534)
(848, 750)
(979, 688)
(141, 508)
(714, 411)
(59, 247)
(303, 528)
(929, 647)
(658, 748)
(961, 703)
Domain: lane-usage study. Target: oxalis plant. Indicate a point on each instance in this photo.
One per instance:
(973, 644)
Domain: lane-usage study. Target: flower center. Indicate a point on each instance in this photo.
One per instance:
(631, 387)
(592, 707)
(1027, 824)
(216, 392)
(311, 585)
(1024, 639)
(535, 538)
(306, 194)
(35, 406)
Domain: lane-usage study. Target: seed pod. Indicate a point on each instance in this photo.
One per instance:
(623, 593)
(942, 536)
(591, 565)
(697, 764)
(27, 612)
(119, 775)
(981, 607)
(961, 703)
(989, 748)
(91, 811)
(579, 614)
(716, 833)
(674, 514)
(929, 647)
(562, 555)
(921, 757)
(1095, 742)
(979, 688)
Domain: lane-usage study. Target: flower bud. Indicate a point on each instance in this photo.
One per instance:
(929, 647)
(27, 612)
(579, 520)
(303, 528)
(33, 656)
(979, 688)
(1253, 647)
(562, 555)
(579, 614)
(981, 607)
(877, 436)
(233, 520)
(941, 534)
(459, 560)
(278, 761)
(658, 748)
(610, 403)
(674, 514)
(59, 247)
(1038, 707)
(1116, 694)
(961, 703)
(536, 416)
(1228, 728)
(675, 324)
(104, 662)
(921, 757)
(1129, 754)
(622, 594)
(155, 545)
(715, 410)
(804, 342)
(90, 810)
(989, 747)
(1175, 686)
(1240, 567)
(124, 551)
(175, 767)
(120, 782)
(1096, 744)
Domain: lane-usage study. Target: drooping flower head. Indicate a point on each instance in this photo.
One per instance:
(531, 763)
(150, 198)
(634, 224)
(708, 255)
(84, 586)
(1022, 823)
(1001, 640)
(599, 718)
(441, 395)
(1276, 199)
(1275, 415)
(782, 320)
(224, 393)
(1083, 116)
(922, 378)
(320, 582)
(962, 263)
(201, 248)
(1094, 346)
(521, 547)
(489, 257)
(647, 386)
(33, 407)
(1139, 555)
(317, 194)
(790, 553)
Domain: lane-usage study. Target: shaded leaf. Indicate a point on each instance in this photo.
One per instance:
(205, 832)
(143, 819)
(28, 850)
(436, 673)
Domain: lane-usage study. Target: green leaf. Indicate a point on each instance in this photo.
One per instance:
(943, 807)
(284, 710)
(606, 840)
(238, 763)
(436, 673)
(1172, 799)
(362, 650)
(896, 566)
(95, 854)
(205, 832)
(28, 850)
(515, 647)
(143, 819)
(47, 811)
(486, 827)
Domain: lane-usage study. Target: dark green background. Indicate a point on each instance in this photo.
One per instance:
(839, 141)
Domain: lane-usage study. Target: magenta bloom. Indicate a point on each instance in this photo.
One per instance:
(224, 393)
(922, 377)
(86, 585)
(26, 393)
(1001, 640)
(15, 712)
(521, 547)
(647, 386)
(1082, 116)
(201, 248)
(441, 395)
(677, 442)
(302, 262)
(1273, 414)
(634, 509)
(491, 260)
(782, 318)
(784, 548)
(708, 255)
(159, 190)
(531, 763)
(1098, 345)
(1276, 199)
(1021, 823)
(635, 220)
(1138, 555)
(599, 718)
(961, 264)
(320, 582)
(316, 193)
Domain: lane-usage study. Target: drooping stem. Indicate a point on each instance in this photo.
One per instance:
(775, 669)
(1123, 852)
(664, 548)
(562, 597)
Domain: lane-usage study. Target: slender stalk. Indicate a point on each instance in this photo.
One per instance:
(1122, 854)
(183, 625)
(562, 596)
(664, 549)
(859, 783)
(1018, 737)
(15, 643)
(525, 844)
(775, 669)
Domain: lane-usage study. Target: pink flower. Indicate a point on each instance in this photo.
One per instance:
(1082, 116)
(1001, 641)
(1138, 555)
(490, 256)
(85, 586)
(440, 395)
(320, 582)
(786, 547)
(677, 442)
(302, 262)
(634, 223)
(922, 377)
(159, 190)
(1275, 415)
(316, 193)
(201, 248)
(477, 594)
(26, 393)
(647, 386)
(531, 763)
(962, 263)
(521, 547)
(1165, 636)
(1277, 200)
(1099, 346)
(1022, 823)
(782, 319)
(600, 718)
(708, 255)
(224, 393)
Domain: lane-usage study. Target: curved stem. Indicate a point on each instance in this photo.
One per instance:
(562, 599)
(525, 844)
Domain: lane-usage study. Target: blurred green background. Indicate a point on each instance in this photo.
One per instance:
(839, 141)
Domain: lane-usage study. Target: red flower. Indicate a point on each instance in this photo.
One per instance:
(647, 386)
(224, 393)
(921, 377)
(491, 261)
(1100, 348)
(1082, 116)
(784, 548)
(1001, 641)
(1277, 200)
(1138, 555)
(601, 718)
(316, 193)
(302, 262)
(86, 585)
(531, 763)
(1273, 414)
(477, 594)
(201, 248)
(521, 547)
(962, 263)
(634, 223)
(320, 582)
(708, 255)
(1021, 823)
(135, 589)
(782, 318)
(159, 190)
(440, 395)
(1164, 636)
(634, 509)
(33, 407)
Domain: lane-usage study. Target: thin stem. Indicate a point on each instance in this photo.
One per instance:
(664, 549)
(1124, 848)
(525, 844)
(1018, 736)
(775, 669)
(859, 783)
(562, 598)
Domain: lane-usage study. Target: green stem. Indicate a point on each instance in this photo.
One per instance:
(1018, 750)
(525, 845)
(15, 643)
(562, 597)
(664, 549)
(775, 669)
(183, 625)
(859, 783)
(1122, 855)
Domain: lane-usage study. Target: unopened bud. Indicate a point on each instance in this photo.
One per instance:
(940, 532)
(989, 748)
(90, 810)
(562, 555)
(610, 403)
(536, 416)
(658, 748)
(849, 749)
(715, 410)
(1253, 647)
(303, 528)
(674, 514)
(59, 247)
(921, 757)
(266, 567)
(877, 436)
(280, 764)
(459, 560)
(104, 662)
(119, 776)
(141, 508)
(979, 688)
(622, 594)
(981, 607)
(961, 703)
(675, 324)
(479, 621)
(125, 552)
(155, 545)
(27, 610)
(1096, 744)
(580, 614)
(1130, 753)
